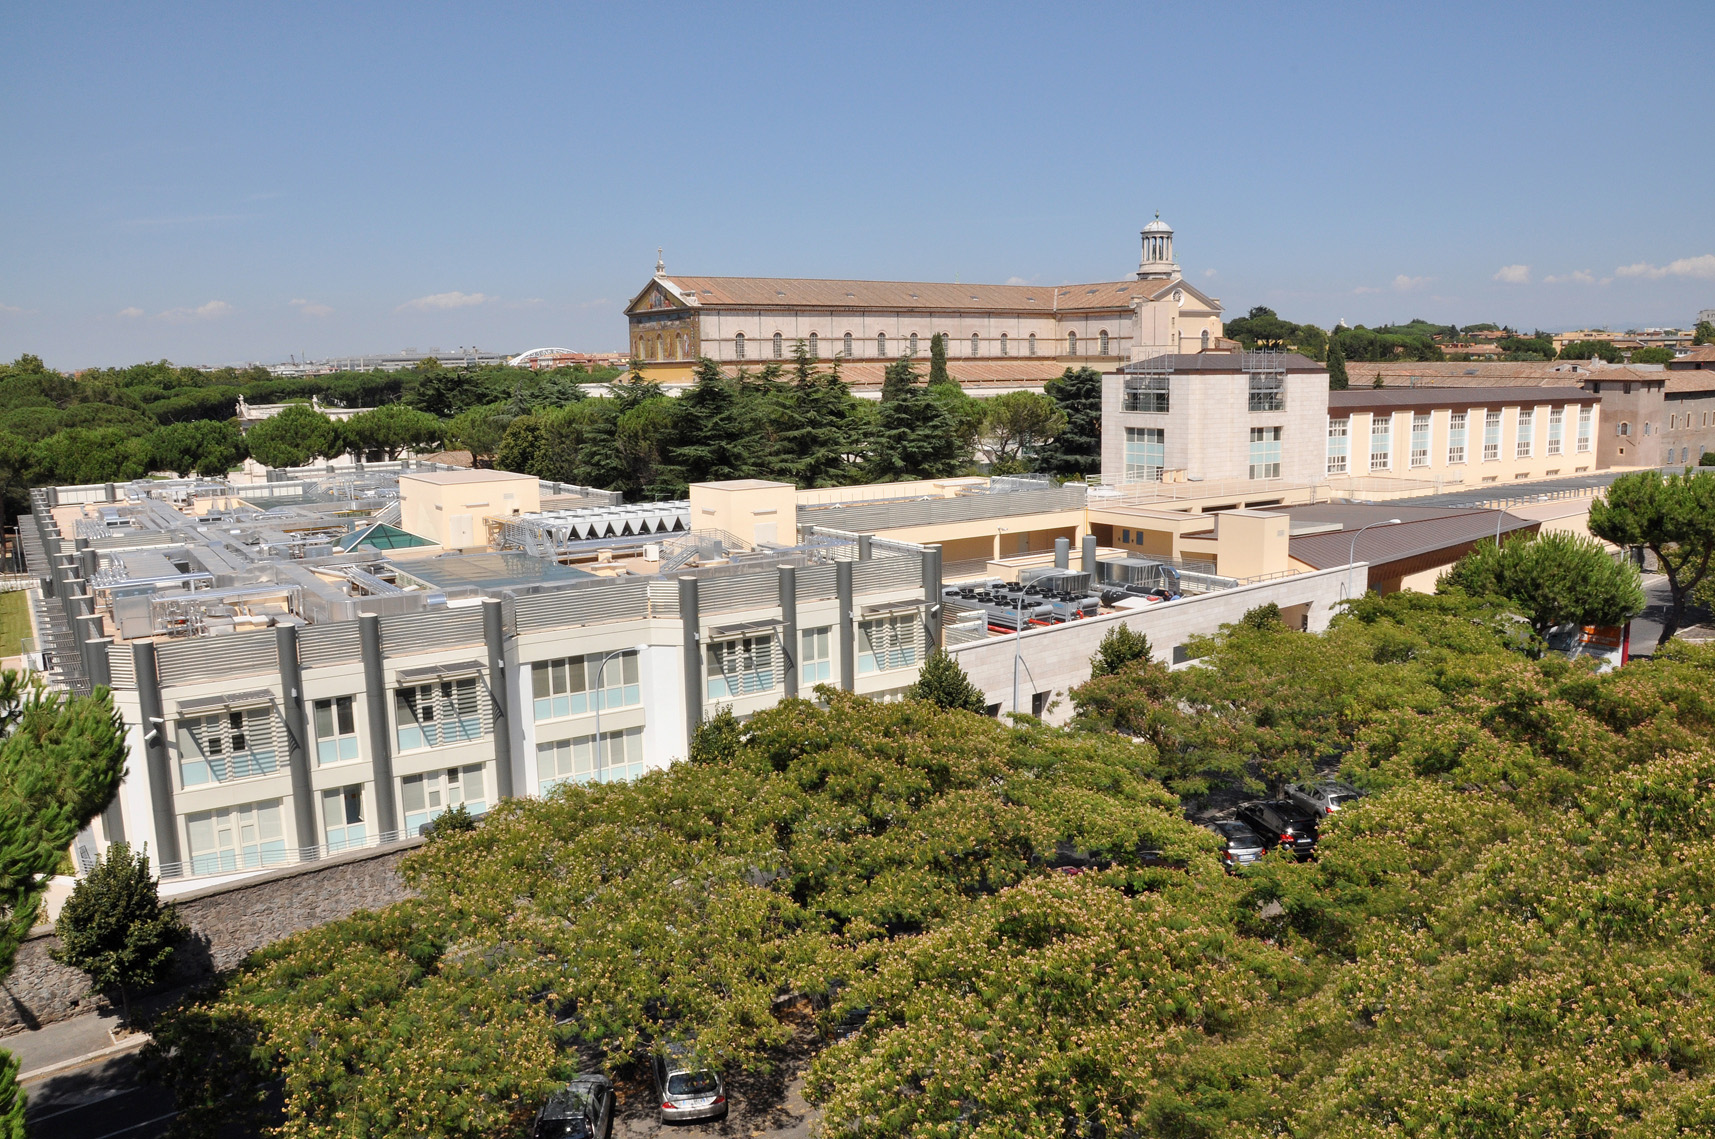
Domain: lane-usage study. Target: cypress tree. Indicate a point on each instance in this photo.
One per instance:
(916, 437)
(938, 360)
(943, 683)
(1337, 378)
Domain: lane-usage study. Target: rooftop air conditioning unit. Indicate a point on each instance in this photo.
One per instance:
(652, 552)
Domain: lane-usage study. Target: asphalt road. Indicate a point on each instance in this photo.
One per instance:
(104, 1100)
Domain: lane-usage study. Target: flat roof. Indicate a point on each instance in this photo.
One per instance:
(502, 570)
(454, 478)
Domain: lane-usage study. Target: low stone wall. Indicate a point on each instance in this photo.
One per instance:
(227, 923)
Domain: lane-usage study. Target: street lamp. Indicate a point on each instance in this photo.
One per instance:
(600, 693)
(1352, 558)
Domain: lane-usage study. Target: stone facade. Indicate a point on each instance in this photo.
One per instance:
(227, 923)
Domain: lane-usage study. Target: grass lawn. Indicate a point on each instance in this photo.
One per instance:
(14, 621)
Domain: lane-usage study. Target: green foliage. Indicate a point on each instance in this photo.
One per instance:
(1076, 450)
(1120, 646)
(1262, 328)
(114, 928)
(916, 437)
(205, 447)
(479, 430)
(391, 430)
(1537, 347)
(1652, 354)
(1553, 579)
(1016, 426)
(1673, 517)
(294, 437)
(1704, 333)
(1590, 350)
(944, 684)
(1366, 344)
(11, 1098)
(1338, 381)
(1263, 618)
(454, 820)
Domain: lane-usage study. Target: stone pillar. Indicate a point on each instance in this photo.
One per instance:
(380, 740)
(690, 630)
(155, 756)
(848, 653)
(296, 713)
(789, 628)
(932, 600)
(499, 690)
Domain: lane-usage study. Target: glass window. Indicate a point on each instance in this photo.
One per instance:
(426, 796)
(1556, 429)
(342, 818)
(1071, 344)
(228, 745)
(580, 760)
(1145, 453)
(815, 658)
(1491, 436)
(1381, 442)
(1456, 437)
(815, 347)
(1268, 392)
(779, 346)
(976, 345)
(881, 345)
(890, 642)
(1526, 433)
(738, 346)
(1146, 393)
(571, 686)
(1032, 344)
(1585, 418)
(1265, 452)
(236, 838)
(433, 715)
(1104, 341)
(336, 730)
(847, 349)
(1420, 439)
(1205, 340)
(1339, 442)
(741, 666)
(914, 344)
(1003, 344)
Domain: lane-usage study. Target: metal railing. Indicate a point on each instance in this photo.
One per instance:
(291, 856)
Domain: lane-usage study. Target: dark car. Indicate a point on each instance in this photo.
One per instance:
(1281, 823)
(1323, 796)
(1239, 844)
(685, 1086)
(583, 1109)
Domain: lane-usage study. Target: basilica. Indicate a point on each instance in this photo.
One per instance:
(998, 334)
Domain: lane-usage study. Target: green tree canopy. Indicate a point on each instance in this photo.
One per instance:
(206, 447)
(915, 435)
(1591, 350)
(114, 928)
(1704, 333)
(392, 430)
(1017, 425)
(298, 435)
(943, 683)
(1338, 381)
(1120, 645)
(1554, 579)
(1654, 354)
(1076, 450)
(1673, 517)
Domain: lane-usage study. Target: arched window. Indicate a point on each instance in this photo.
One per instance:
(881, 345)
(1104, 335)
(1071, 344)
(1033, 343)
(779, 346)
(684, 346)
(1003, 344)
(976, 345)
(914, 344)
(738, 346)
(1205, 340)
(847, 351)
(815, 347)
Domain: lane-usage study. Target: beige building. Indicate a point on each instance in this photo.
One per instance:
(452, 508)
(1022, 333)
(1467, 436)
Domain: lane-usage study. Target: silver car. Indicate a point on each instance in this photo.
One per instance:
(1240, 845)
(1324, 796)
(687, 1088)
(583, 1109)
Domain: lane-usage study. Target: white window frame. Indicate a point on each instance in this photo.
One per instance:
(1381, 429)
(1339, 444)
(881, 345)
(848, 346)
(578, 760)
(1491, 436)
(335, 723)
(1420, 439)
(1525, 435)
(228, 745)
(738, 346)
(815, 656)
(1145, 453)
(1586, 422)
(1556, 429)
(245, 836)
(564, 686)
(438, 714)
(1265, 452)
(741, 666)
(1032, 344)
(440, 790)
(890, 642)
(1457, 426)
(779, 346)
(343, 826)
(815, 346)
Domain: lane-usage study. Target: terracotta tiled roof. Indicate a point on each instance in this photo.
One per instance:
(1692, 381)
(798, 292)
(1702, 354)
(1485, 373)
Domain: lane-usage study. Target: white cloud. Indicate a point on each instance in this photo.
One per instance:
(202, 312)
(436, 301)
(1361, 290)
(1017, 281)
(311, 308)
(1576, 277)
(131, 312)
(1514, 274)
(1208, 272)
(1701, 267)
(10, 308)
(1405, 284)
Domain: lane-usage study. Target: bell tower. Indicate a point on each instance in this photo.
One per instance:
(1157, 263)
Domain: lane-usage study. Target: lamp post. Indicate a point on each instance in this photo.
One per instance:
(601, 689)
(1352, 558)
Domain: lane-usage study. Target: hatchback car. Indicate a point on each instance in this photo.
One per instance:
(1281, 824)
(1324, 796)
(583, 1109)
(687, 1088)
(1239, 844)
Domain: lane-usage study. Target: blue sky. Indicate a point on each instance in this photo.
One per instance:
(218, 183)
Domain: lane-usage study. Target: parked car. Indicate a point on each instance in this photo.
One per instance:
(583, 1109)
(687, 1088)
(1323, 796)
(1239, 844)
(1281, 823)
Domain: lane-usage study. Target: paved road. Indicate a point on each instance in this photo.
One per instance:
(104, 1100)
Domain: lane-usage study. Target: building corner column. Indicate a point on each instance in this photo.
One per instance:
(789, 629)
(375, 703)
(156, 760)
(848, 657)
(932, 600)
(297, 740)
(690, 622)
(499, 688)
